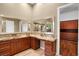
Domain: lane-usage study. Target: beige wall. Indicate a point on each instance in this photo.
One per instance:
(44, 10)
(24, 11)
(18, 10)
(0, 26)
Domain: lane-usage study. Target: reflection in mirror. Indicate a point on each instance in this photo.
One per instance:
(44, 25)
(24, 26)
(9, 25)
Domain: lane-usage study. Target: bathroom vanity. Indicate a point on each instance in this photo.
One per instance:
(13, 45)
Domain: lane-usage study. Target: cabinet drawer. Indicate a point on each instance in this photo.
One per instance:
(69, 36)
(4, 43)
(5, 53)
(50, 49)
(4, 48)
(53, 44)
(72, 24)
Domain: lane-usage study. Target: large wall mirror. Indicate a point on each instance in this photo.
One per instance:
(10, 25)
(44, 25)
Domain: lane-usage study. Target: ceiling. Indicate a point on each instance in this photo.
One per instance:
(28, 11)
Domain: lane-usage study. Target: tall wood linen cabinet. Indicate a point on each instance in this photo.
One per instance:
(68, 23)
(69, 38)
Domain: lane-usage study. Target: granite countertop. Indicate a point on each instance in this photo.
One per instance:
(48, 38)
(44, 37)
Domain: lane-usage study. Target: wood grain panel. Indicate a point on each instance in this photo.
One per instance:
(14, 46)
(50, 48)
(19, 44)
(5, 48)
(69, 36)
(72, 24)
(35, 43)
(68, 48)
(69, 30)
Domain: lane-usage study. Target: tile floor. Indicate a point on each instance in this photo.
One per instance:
(31, 52)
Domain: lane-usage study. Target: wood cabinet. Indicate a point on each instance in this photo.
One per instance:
(19, 44)
(5, 48)
(13, 46)
(35, 43)
(20, 48)
(69, 38)
(25, 43)
(50, 48)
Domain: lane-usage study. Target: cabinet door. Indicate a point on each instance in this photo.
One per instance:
(35, 43)
(23, 43)
(50, 48)
(20, 45)
(68, 48)
(27, 42)
(14, 46)
(5, 51)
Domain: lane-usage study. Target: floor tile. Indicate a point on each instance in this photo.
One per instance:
(31, 52)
